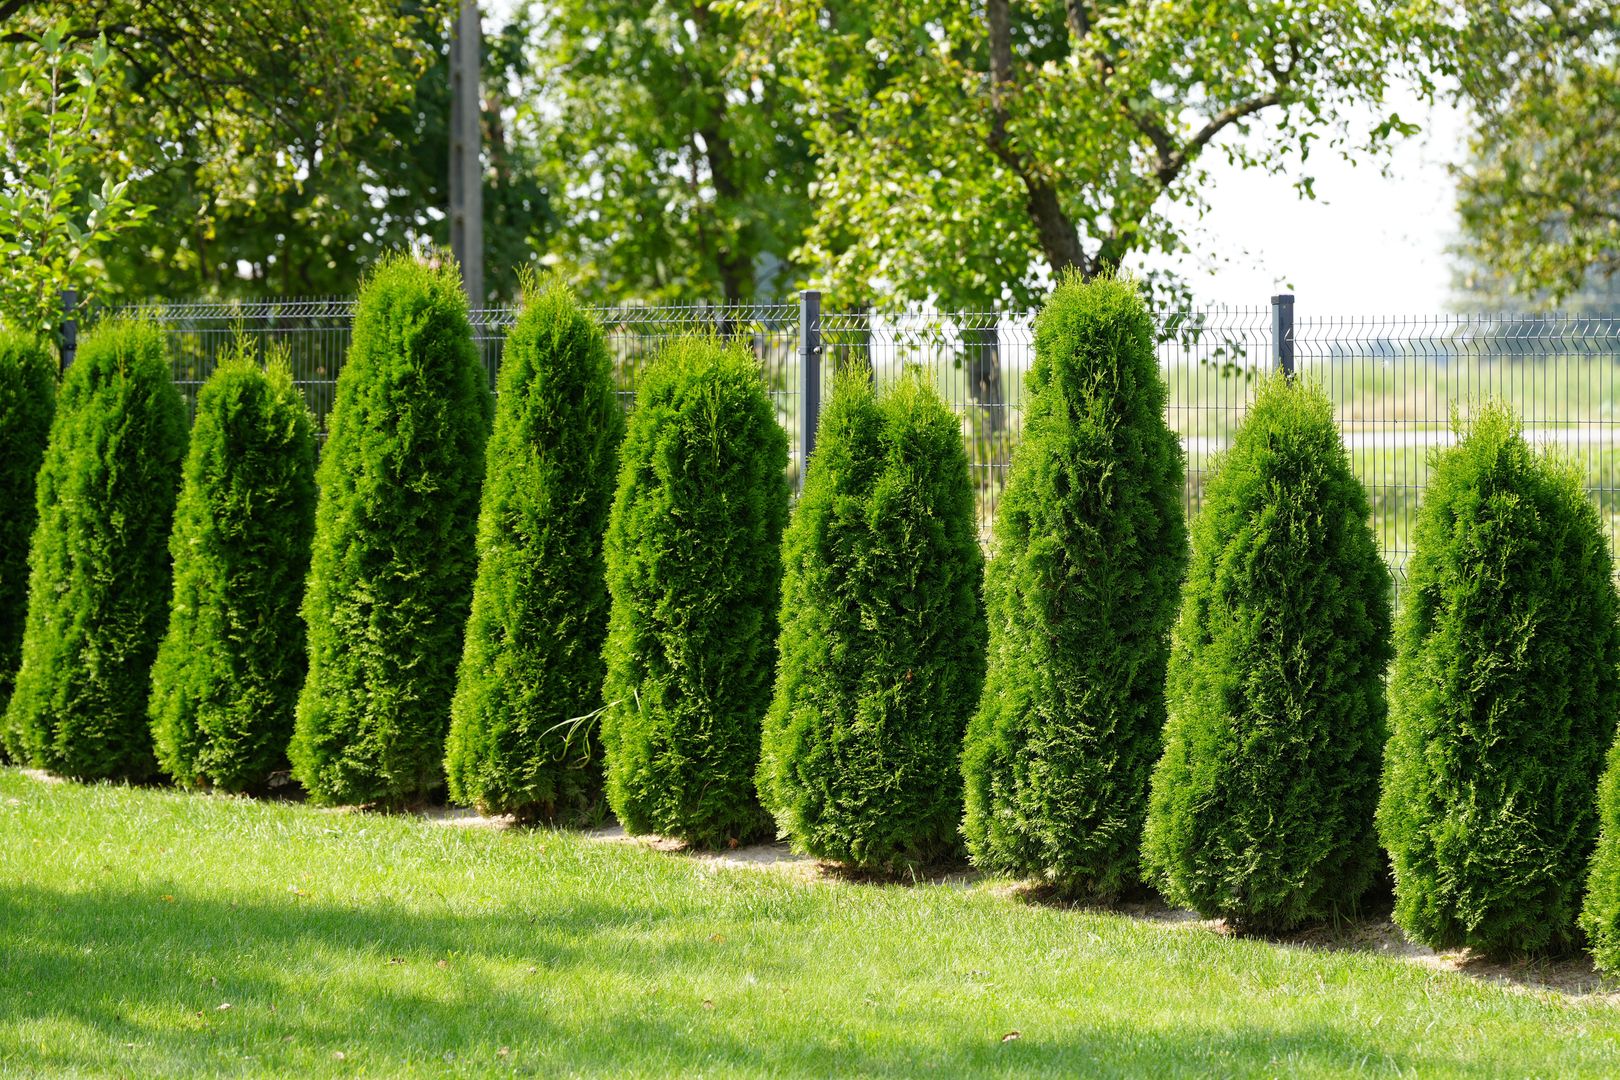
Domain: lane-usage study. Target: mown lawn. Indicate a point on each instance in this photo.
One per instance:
(129, 919)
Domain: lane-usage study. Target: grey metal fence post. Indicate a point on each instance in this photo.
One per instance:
(809, 375)
(70, 328)
(1282, 332)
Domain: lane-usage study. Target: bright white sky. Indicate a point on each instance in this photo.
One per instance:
(1368, 243)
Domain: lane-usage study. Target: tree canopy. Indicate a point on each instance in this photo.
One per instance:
(1538, 200)
(969, 152)
(282, 137)
(682, 170)
(54, 217)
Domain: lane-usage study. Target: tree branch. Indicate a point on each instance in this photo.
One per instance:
(1078, 17)
(1059, 239)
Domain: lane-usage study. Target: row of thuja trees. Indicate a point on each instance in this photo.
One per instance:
(1226, 715)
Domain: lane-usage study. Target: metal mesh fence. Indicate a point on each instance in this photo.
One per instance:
(1395, 382)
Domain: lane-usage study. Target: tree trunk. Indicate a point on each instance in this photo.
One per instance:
(984, 377)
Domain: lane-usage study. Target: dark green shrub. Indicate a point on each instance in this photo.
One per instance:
(1081, 591)
(694, 563)
(395, 543)
(521, 740)
(226, 680)
(882, 642)
(27, 400)
(1262, 806)
(1503, 698)
(98, 586)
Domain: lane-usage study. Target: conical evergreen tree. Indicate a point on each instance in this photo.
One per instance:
(522, 737)
(27, 400)
(98, 586)
(227, 676)
(882, 643)
(1081, 592)
(1503, 698)
(395, 548)
(1600, 915)
(694, 564)
(1262, 806)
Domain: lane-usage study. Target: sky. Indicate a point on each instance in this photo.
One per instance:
(1368, 243)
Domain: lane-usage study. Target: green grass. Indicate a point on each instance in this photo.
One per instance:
(127, 917)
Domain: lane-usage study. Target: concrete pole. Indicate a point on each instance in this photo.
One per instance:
(466, 137)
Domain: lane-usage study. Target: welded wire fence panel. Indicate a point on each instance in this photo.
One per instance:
(977, 362)
(1395, 382)
(313, 336)
(1211, 359)
(769, 331)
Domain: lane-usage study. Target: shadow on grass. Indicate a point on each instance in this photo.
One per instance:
(1369, 931)
(108, 980)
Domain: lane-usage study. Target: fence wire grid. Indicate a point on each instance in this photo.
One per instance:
(1396, 382)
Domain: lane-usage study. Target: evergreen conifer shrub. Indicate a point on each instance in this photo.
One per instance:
(226, 680)
(694, 565)
(1600, 915)
(882, 641)
(99, 576)
(1262, 806)
(1503, 698)
(1080, 592)
(395, 550)
(522, 738)
(27, 400)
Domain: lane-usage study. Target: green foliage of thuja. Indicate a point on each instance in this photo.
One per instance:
(881, 656)
(1503, 698)
(226, 681)
(395, 542)
(1090, 546)
(523, 736)
(99, 574)
(27, 403)
(694, 565)
(1262, 806)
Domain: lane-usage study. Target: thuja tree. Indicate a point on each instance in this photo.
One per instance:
(1090, 549)
(27, 401)
(882, 642)
(98, 587)
(1262, 806)
(523, 738)
(694, 566)
(227, 676)
(395, 543)
(1600, 915)
(1503, 698)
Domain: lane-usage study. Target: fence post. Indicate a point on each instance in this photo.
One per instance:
(1282, 332)
(809, 375)
(69, 340)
